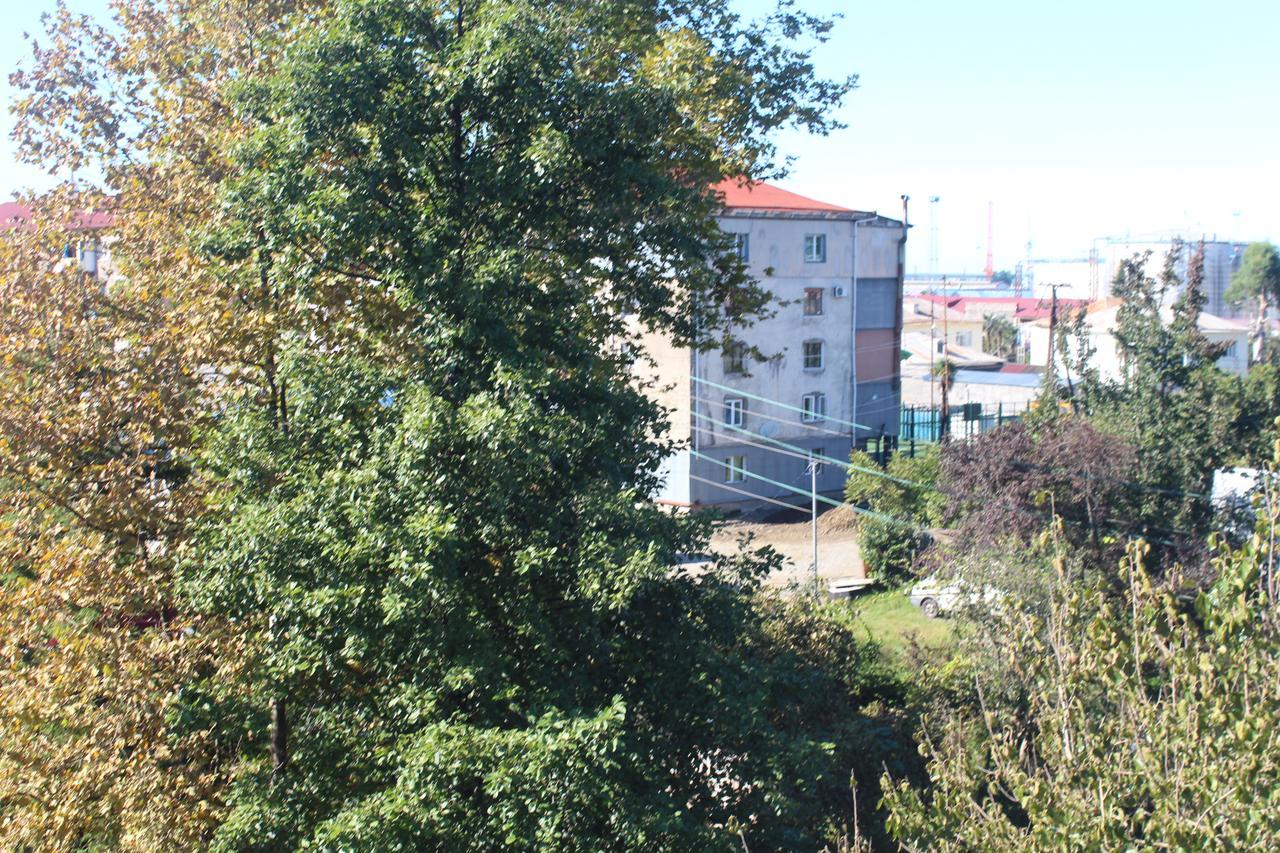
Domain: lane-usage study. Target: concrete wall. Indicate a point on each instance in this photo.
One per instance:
(916, 387)
(789, 472)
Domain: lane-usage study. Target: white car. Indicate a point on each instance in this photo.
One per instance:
(938, 596)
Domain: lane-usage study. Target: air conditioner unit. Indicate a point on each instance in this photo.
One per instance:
(838, 291)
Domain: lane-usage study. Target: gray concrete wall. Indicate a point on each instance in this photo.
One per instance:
(790, 472)
(776, 258)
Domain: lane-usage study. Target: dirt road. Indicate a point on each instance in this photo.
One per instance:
(789, 533)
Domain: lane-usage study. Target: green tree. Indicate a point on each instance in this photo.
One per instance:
(1171, 403)
(1137, 720)
(432, 521)
(1258, 276)
(1258, 280)
(945, 372)
(1000, 336)
(905, 503)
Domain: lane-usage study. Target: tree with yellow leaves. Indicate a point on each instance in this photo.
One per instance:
(106, 378)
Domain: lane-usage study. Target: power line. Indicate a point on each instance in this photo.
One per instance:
(1132, 484)
(805, 453)
(830, 501)
(796, 451)
(777, 403)
(751, 413)
(751, 495)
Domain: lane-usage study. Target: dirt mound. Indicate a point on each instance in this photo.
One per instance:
(839, 519)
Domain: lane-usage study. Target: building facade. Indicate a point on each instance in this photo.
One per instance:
(1101, 323)
(831, 380)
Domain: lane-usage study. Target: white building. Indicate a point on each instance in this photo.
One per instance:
(1100, 320)
(1092, 277)
(748, 427)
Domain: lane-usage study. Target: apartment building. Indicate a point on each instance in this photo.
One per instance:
(832, 381)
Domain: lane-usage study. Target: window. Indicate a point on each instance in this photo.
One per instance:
(813, 354)
(812, 301)
(1230, 351)
(964, 339)
(942, 346)
(735, 469)
(742, 246)
(733, 410)
(813, 407)
(815, 457)
(815, 248)
(735, 358)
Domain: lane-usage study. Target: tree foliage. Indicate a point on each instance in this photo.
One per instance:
(1142, 718)
(1172, 404)
(905, 502)
(1006, 485)
(104, 393)
(427, 511)
(1258, 276)
(1000, 336)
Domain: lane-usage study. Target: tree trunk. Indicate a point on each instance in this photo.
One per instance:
(279, 736)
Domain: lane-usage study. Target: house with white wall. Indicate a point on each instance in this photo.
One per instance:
(1100, 321)
(832, 379)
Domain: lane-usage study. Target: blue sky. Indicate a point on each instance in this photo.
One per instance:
(1076, 120)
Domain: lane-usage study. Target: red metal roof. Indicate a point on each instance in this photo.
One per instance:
(1024, 308)
(738, 194)
(15, 215)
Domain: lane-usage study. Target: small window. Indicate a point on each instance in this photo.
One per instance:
(733, 411)
(742, 246)
(815, 248)
(813, 407)
(964, 339)
(813, 355)
(942, 346)
(812, 301)
(735, 358)
(815, 458)
(735, 469)
(1230, 351)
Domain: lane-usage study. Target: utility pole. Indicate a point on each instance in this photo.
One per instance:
(1050, 375)
(991, 267)
(813, 510)
(933, 235)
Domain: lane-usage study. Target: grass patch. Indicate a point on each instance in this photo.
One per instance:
(896, 624)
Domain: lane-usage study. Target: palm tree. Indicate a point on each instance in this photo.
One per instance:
(999, 336)
(945, 372)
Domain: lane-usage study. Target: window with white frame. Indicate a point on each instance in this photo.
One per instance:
(814, 355)
(813, 407)
(742, 246)
(964, 339)
(735, 469)
(1230, 351)
(812, 301)
(816, 455)
(815, 248)
(733, 412)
